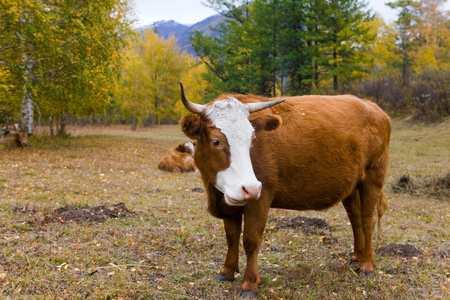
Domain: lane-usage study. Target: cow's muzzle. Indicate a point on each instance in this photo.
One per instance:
(251, 192)
(248, 193)
(233, 202)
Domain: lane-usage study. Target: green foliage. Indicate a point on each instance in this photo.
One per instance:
(268, 41)
(242, 59)
(348, 41)
(295, 47)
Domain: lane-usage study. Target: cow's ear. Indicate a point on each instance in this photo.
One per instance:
(192, 126)
(181, 148)
(266, 122)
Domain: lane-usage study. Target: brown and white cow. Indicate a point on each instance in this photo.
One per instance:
(14, 136)
(178, 159)
(308, 152)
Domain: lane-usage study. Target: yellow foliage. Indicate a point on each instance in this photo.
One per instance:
(425, 59)
(150, 78)
(385, 50)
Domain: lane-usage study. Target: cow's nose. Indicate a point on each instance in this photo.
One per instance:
(251, 192)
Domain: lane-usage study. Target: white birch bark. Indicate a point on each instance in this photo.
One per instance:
(27, 100)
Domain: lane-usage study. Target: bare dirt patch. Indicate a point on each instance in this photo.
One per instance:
(444, 254)
(430, 185)
(197, 190)
(305, 224)
(77, 214)
(402, 250)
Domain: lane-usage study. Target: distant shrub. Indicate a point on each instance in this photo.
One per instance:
(430, 91)
(426, 95)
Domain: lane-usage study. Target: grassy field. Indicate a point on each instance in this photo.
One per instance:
(162, 244)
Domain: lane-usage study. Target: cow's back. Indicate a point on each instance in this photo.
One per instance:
(175, 161)
(324, 147)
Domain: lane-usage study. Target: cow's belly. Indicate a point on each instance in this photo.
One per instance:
(318, 189)
(315, 200)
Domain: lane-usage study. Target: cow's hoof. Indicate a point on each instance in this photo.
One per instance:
(353, 262)
(366, 269)
(248, 295)
(221, 277)
(367, 274)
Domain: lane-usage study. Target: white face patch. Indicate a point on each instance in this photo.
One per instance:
(231, 117)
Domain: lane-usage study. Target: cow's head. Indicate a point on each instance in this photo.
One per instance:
(22, 139)
(224, 136)
(186, 148)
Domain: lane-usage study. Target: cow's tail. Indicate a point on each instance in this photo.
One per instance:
(381, 208)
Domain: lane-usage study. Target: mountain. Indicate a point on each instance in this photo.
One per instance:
(182, 32)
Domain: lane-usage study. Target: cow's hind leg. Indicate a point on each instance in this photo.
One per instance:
(233, 233)
(352, 205)
(370, 195)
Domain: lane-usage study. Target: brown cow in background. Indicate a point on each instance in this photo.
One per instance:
(308, 152)
(179, 159)
(14, 136)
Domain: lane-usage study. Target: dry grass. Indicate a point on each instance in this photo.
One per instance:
(169, 248)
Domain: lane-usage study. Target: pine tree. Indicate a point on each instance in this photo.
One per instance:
(404, 23)
(348, 37)
(268, 42)
(300, 44)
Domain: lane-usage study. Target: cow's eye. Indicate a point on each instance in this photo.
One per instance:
(216, 143)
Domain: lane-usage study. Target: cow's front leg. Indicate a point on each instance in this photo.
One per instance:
(254, 223)
(233, 233)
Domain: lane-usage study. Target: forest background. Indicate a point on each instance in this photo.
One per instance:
(81, 61)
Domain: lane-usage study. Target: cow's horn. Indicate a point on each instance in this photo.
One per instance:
(192, 107)
(254, 107)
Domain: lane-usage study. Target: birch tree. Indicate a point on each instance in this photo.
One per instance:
(61, 56)
(20, 43)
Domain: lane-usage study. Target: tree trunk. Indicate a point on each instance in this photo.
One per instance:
(27, 77)
(39, 119)
(27, 113)
(335, 78)
(50, 123)
(405, 68)
(335, 45)
(62, 127)
(316, 75)
(316, 65)
(156, 109)
(27, 100)
(134, 122)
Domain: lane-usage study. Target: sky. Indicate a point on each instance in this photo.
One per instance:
(189, 12)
